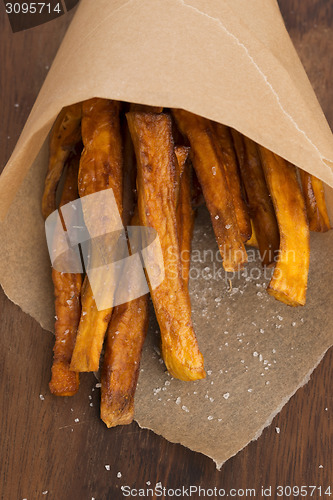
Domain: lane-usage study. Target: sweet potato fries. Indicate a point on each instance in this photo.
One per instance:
(145, 156)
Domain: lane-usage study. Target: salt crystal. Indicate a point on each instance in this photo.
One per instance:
(321, 466)
(148, 483)
(119, 474)
(293, 323)
(210, 417)
(228, 226)
(217, 217)
(255, 354)
(178, 400)
(98, 385)
(213, 170)
(273, 351)
(260, 357)
(277, 430)
(185, 409)
(226, 395)
(107, 467)
(41, 397)
(249, 390)
(209, 372)
(76, 420)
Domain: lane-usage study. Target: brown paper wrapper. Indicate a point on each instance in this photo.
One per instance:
(233, 63)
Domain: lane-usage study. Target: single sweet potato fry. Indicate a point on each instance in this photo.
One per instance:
(260, 204)
(225, 147)
(211, 174)
(154, 148)
(123, 347)
(65, 134)
(185, 213)
(289, 280)
(314, 196)
(67, 288)
(100, 168)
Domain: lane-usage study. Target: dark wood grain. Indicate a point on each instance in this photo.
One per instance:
(42, 447)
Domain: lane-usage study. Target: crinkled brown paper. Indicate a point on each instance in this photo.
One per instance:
(232, 62)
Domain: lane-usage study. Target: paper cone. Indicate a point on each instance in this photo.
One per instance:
(233, 63)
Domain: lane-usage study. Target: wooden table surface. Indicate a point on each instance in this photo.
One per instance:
(69, 463)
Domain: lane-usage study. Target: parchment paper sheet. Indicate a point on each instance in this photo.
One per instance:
(232, 62)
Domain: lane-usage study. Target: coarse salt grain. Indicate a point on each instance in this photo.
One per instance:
(277, 429)
(107, 467)
(178, 400)
(210, 417)
(119, 474)
(226, 395)
(41, 397)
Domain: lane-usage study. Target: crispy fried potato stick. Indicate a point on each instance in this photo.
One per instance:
(226, 147)
(185, 213)
(153, 145)
(123, 348)
(314, 196)
(211, 175)
(67, 288)
(129, 175)
(260, 204)
(289, 280)
(100, 168)
(65, 134)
